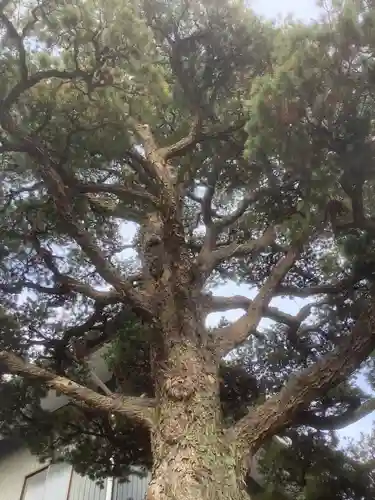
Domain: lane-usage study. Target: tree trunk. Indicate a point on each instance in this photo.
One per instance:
(192, 460)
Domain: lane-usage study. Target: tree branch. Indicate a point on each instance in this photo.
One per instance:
(137, 409)
(66, 284)
(328, 289)
(336, 422)
(196, 136)
(209, 241)
(184, 144)
(48, 171)
(214, 303)
(282, 409)
(32, 80)
(18, 41)
(121, 191)
(244, 204)
(231, 336)
(210, 260)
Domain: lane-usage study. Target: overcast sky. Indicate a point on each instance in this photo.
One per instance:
(301, 9)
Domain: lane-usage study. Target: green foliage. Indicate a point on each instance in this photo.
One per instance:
(289, 116)
(313, 468)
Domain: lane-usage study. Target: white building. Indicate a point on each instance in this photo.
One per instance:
(23, 477)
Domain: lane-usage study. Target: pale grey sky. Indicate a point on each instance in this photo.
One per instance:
(301, 9)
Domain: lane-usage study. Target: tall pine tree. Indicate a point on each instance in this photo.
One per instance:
(235, 151)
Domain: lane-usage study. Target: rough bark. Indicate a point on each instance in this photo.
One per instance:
(193, 459)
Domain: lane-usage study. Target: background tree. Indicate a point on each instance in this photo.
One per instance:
(239, 151)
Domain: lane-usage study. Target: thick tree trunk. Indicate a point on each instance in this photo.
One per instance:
(192, 459)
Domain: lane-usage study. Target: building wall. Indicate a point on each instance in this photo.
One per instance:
(18, 463)
(62, 483)
(14, 467)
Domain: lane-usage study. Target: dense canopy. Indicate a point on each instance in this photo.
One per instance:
(150, 152)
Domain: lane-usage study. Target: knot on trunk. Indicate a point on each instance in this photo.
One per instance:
(180, 388)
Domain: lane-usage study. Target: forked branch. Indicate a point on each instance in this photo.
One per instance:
(233, 335)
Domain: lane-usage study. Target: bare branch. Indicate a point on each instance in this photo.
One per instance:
(137, 409)
(231, 336)
(282, 410)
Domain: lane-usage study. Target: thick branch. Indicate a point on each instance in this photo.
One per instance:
(196, 136)
(236, 333)
(184, 144)
(209, 242)
(282, 410)
(137, 409)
